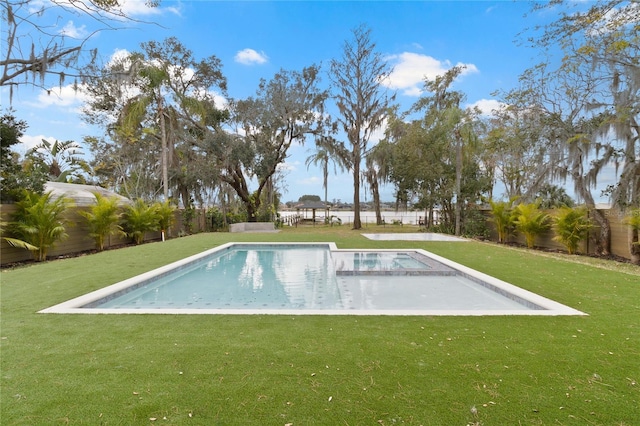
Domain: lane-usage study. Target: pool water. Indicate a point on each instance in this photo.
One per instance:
(313, 278)
(257, 278)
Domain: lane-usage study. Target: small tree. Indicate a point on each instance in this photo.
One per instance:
(571, 226)
(102, 219)
(361, 99)
(139, 218)
(15, 175)
(529, 220)
(305, 198)
(39, 221)
(502, 217)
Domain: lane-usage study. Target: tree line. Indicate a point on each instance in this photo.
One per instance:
(167, 134)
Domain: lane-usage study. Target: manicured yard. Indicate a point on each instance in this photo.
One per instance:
(305, 370)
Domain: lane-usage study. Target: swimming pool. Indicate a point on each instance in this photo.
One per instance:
(313, 278)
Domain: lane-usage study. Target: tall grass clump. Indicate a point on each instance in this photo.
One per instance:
(571, 226)
(39, 221)
(530, 221)
(103, 219)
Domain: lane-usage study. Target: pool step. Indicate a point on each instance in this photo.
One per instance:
(401, 263)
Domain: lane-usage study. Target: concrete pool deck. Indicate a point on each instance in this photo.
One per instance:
(414, 236)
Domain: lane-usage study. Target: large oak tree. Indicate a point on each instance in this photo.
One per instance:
(286, 110)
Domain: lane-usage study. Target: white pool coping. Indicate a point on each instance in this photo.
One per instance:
(548, 306)
(414, 236)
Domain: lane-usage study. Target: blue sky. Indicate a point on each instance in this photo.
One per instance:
(254, 40)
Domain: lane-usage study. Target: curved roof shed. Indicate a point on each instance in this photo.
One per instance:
(82, 195)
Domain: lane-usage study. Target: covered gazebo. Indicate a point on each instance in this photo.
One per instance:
(313, 206)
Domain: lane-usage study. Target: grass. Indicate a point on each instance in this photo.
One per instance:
(306, 370)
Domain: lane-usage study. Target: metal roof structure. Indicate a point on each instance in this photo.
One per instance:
(82, 195)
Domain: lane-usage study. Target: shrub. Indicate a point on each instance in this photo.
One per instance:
(633, 220)
(216, 219)
(102, 219)
(529, 220)
(503, 219)
(39, 221)
(571, 226)
(139, 218)
(474, 224)
(164, 215)
(188, 214)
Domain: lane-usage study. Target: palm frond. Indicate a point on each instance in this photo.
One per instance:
(14, 242)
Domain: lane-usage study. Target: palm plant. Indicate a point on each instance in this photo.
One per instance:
(39, 222)
(327, 150)
(139, 218)
(571, 226)
(531, 221)
(165, 216)
(62, 159)
(502, 217)
(15, 242)
(102, 219)
(378, 172)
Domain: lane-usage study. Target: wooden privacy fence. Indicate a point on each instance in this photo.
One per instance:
(619, 236)
(79, 239)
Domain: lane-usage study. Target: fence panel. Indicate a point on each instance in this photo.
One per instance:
(79, 240)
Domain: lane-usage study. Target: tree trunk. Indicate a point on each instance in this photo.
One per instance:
(165, 160)
(375, 191)
(236, 180)
(603, 239)
(252, 211)
(186, 197)
(325, 174)
(356, 190)
(458, 206)
(428, 223)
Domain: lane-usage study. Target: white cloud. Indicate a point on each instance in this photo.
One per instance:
(411, 69)
(64, 96)
(487, 106)
(288, 167)
(129, 8)
(138, 8)
(70, 30)
(250, 57)
(118, 55)
(311, 180)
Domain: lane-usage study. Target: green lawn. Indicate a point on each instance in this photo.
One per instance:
(305, 370)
